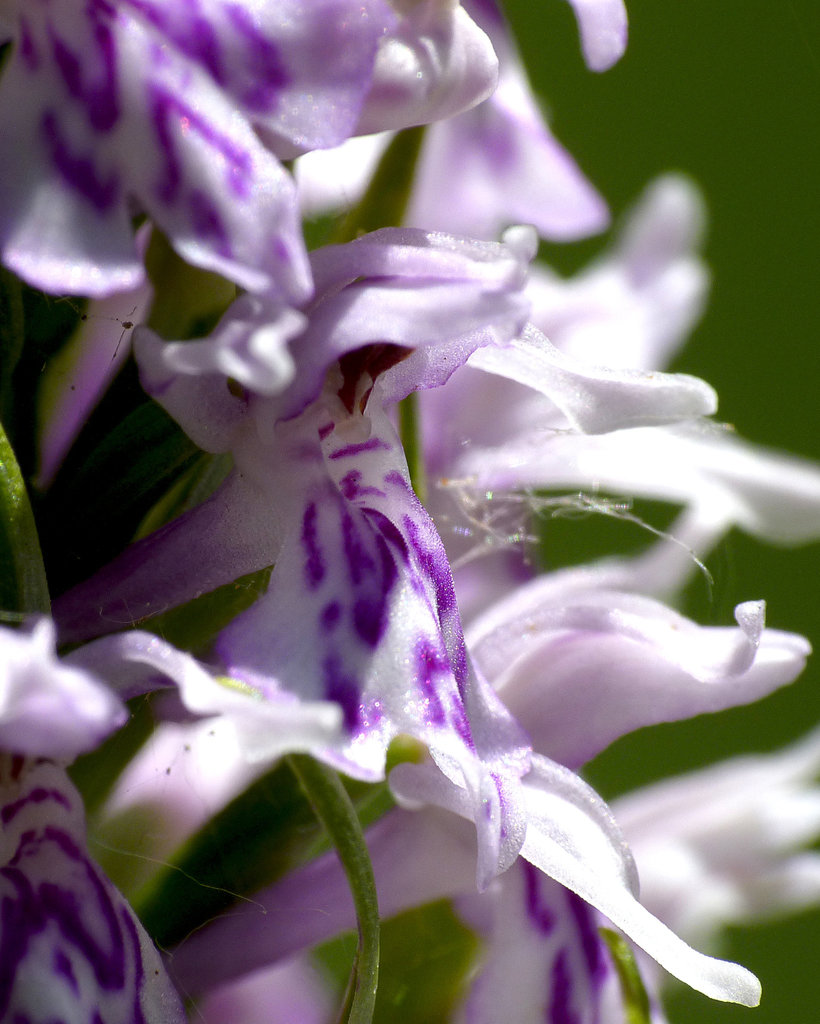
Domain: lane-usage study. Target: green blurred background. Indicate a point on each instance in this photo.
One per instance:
(729, 93)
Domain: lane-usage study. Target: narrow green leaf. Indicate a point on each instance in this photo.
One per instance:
(23, 585)
(636, 1001)
(12, 338)
(335, 810)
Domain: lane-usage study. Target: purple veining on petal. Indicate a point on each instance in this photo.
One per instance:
(207, 222)
(314, 563)
(461, 724)
(351, 487)
(79, 172)
(166, 109)
(344, 690)
(36, 796)
(560, 1009)
(359, 562)
(262, 61)
(371, 445)
(591, 944)
(100, 99)
(539, 913)
(192, 34)
(26, 48)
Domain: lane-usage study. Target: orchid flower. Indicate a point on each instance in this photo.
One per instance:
(176, 110)
(70, 946)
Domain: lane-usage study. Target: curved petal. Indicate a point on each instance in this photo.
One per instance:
(603, 28)
(582, 665)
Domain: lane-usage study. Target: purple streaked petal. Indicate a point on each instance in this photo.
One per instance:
(49, 708)
(70, 946)
(135, 119)
(544, 962)
(641, 662)
(572, 838)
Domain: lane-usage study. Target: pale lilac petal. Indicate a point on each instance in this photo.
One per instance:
(49, 708)
(290, 993)
(70, 946)
(335, 179)
(571, 838)
(249, 345)
(75, 380)
(766, 493)
(412, 289)
(596, 399)
(722, 846)
(508, 166)
(635, 305)
(641, 662)
(168, 568)
(435, 64)
(603, 28)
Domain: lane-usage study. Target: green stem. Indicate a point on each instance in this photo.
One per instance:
(335, 810)
(411, 440)
(23, 585)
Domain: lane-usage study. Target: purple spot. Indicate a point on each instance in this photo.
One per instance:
(168, 110)
(351, 487)
(326, 430)
(371, 445)
(191, 34)
(560, 1009)
(314, 565)
(429, 664)
(79, 172)
(538, 912)
(342, 689)
(369, 620)
(62, 966)
(330, 616)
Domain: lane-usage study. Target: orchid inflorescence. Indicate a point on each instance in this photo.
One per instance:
(303, 669)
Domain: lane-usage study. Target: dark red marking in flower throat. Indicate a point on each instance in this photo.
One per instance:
(371, 360)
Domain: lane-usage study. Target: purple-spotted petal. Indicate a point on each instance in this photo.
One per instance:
(361, 612)
(572, 838)
(49, 708)
(640, 662)
(71, 949)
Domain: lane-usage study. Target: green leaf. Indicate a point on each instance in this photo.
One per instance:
(12, 338)
(636, 1001)
(23, 585)
(335, 810)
